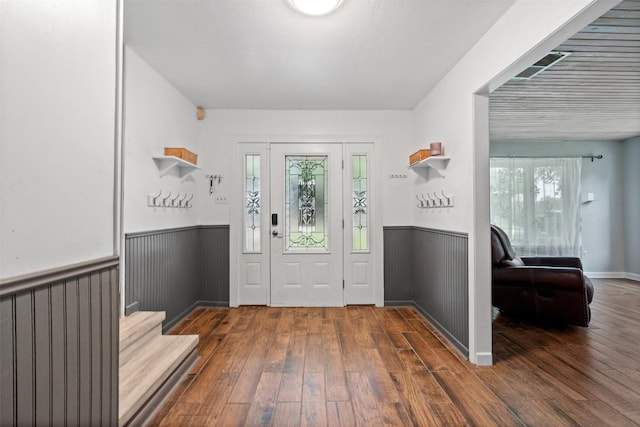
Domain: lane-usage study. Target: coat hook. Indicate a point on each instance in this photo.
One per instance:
(155, 198)
(449, 199)
(438, 199)
(164, 200)
(181, 201)
(187, 204)
(173, 201)
(211, 178)
(443, 201)
(431, 202)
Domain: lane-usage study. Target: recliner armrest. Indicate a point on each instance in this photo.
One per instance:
(550, 261)
(561, 278)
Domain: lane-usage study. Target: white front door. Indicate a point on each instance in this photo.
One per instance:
(306, 225)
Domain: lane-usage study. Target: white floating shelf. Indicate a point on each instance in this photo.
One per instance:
(435, 162)
(167, 163)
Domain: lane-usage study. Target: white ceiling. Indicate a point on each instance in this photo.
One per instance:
(261, 54)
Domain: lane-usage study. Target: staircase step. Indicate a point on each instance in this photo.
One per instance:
(136, 329)
(153, 364)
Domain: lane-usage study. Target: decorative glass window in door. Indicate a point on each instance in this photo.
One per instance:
(306, 203)
(359, 190)
(252, 203)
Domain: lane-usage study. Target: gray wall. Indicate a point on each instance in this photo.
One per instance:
(428, 269)
(399, 284)
(214, 264)
(176, 269)
(631, 204)
(603, 227)
(442, 282)
(59, 352)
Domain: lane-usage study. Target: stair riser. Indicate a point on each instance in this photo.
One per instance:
(138, 329)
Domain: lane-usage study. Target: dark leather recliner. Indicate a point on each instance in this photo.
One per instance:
(545, 289)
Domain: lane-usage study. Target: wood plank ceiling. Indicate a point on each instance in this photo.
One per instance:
(593, 94)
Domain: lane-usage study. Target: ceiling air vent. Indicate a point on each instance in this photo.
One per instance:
(544, 63)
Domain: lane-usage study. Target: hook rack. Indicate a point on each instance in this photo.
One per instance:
(212, 178)
(436, 201)
(178, 201)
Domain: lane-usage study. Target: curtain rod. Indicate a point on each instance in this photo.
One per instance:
(591, 156)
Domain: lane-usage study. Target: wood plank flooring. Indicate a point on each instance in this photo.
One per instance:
(368, 366)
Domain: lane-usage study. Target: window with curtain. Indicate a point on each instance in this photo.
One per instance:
(536, 201)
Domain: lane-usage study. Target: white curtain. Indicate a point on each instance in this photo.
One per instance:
(536, 201)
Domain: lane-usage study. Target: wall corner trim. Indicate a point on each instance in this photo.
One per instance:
(484, 359)
(160, 231)
(633, 276)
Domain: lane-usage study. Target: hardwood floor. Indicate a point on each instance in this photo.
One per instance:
(370, 366)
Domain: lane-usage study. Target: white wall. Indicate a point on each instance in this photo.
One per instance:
(156, 116)
(603, 231)
(392, 130)
(631, 204)
(57, 112)
(522, 35)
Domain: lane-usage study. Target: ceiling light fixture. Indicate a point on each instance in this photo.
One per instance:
(315, 7)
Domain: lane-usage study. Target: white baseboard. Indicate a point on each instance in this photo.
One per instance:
(611, 275)
(605, 274)
(633, 276)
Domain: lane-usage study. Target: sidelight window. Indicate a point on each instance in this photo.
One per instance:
(252, 203)
(360, 194)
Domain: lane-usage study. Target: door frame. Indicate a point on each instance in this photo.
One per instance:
(236, 202)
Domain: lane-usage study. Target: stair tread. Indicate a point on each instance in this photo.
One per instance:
(138, 324)
(141, 376)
